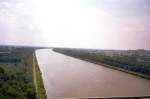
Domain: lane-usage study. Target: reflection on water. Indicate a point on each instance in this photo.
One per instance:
(66, 76)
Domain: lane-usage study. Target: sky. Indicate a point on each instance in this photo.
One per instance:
(103, 24)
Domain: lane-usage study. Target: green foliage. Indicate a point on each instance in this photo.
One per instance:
(16, 80)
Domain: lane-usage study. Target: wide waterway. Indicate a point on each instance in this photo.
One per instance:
(66, 77)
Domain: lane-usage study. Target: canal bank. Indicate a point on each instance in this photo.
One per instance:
(66, 77)
(38, 81)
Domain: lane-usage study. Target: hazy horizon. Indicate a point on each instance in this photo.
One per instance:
(103, 24)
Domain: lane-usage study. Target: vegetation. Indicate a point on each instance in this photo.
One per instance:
(39, 82)
(132, 61)
(16, 70)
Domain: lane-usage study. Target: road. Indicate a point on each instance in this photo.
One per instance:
(66, 77)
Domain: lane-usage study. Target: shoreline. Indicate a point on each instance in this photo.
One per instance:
(109, 66)
(38, 80)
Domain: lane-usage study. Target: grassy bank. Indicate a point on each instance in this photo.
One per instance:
(135, 62)
(38, 81)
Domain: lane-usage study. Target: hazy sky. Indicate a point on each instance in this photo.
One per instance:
(113, 24)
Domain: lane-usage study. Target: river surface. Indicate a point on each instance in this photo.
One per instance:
(66, 77)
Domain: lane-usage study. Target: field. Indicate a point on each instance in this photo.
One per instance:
(16, 73)
(136, 62)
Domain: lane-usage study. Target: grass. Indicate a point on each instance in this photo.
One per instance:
(40, 90)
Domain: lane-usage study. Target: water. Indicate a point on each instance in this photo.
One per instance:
(65, 76)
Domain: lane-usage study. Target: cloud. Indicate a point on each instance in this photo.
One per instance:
(123, 7)
(76, 23)
(16, 24)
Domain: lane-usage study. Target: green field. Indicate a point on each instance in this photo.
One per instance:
(16, 73)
